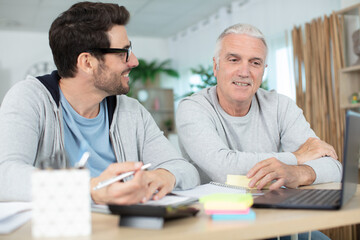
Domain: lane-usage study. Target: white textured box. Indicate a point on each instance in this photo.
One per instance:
(61, 203)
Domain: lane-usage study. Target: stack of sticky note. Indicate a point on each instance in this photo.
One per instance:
(228, 206)
(241, 181)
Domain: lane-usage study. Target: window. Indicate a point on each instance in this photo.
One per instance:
(284, 73)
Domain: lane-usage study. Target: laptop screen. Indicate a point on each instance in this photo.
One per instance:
(351, 152)
(323, 198)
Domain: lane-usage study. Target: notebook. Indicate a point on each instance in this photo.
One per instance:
(13, 215)
(210, 188)
(323, 198)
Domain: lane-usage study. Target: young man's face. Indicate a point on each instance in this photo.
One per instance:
(239, 71)
(112, 74)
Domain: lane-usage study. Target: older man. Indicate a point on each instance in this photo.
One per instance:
(238, 128)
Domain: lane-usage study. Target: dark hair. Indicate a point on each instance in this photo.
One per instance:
(83, 26)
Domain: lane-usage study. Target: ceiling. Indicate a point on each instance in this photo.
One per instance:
(150, 18)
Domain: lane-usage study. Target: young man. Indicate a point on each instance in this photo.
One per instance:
(237, 128)
(82, 105)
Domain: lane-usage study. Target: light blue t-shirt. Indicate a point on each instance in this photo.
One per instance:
(91, 134)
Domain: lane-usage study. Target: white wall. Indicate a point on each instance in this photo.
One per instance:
(195, 45)
(188, 49)
(275, 16)
(20, 50)
(150, 48)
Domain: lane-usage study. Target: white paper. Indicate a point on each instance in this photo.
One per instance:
(13, 215)
(207, 189)
(169, 200)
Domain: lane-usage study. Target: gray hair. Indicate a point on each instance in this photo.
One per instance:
(246, 29)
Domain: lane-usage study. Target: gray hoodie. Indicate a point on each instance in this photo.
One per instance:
(31, 125)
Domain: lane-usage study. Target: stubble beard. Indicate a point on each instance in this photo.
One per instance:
(110, 82)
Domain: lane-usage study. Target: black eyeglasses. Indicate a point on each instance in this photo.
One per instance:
(113, 50)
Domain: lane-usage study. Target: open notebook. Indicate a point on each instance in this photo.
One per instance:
(214, 187)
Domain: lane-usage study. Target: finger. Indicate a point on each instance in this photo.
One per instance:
(327, 147)
(161, 193)
(119, 189)
(333, 149)
(327, 152)
(151, 189)
(259, 176)
(137, 184)
(266, 180)
(257, 167)
(118, 168)
(278, 184)
(334, 155)
(139, 178)
(268, 165)
(330, 151)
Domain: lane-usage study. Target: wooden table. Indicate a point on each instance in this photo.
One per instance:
(268, 223)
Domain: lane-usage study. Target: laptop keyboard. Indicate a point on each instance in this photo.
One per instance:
(316, 197)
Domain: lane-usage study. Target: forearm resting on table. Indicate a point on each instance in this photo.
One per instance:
(306, 175)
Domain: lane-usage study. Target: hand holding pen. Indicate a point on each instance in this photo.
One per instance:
(129, 192)
(119, 177)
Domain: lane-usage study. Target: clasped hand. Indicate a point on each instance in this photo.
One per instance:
(312, 149)
(290, 176)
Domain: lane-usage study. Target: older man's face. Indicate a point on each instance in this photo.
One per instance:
(239, 71)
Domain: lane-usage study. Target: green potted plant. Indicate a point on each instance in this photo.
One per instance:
(148, 72)
(168, 123)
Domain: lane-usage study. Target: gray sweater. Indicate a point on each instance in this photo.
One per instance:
(219, 144)
(31, 129)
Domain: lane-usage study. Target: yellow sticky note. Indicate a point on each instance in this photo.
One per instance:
(241, 181)
(227, 197)
(227, 206)
(227, 201)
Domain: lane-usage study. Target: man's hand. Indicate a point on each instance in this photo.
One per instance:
(285, 175)
(312, 149)
(129, 192)
(159, 183)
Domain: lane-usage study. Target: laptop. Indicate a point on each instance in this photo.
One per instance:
(323, 198)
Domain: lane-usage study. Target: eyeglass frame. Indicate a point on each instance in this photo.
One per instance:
(128, 51)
